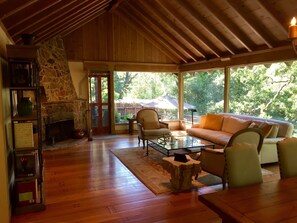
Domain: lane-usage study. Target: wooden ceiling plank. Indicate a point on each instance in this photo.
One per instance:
(208, 27)
(252, 23)
(72, 26)
(152, 11)
(163, 33)
(229, 25)
(63, 18)
(190, 28)
(152, 37)
(42, 24)
(45, 16)
(190, 44)
(8, 8)
(72, 18)
(34, 9)
(274, 15)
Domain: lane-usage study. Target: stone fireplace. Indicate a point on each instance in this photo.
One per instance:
(60, 102)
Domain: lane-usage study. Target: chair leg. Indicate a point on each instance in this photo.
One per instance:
(224, 183)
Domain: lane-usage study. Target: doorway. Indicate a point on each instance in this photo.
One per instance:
(99, 102)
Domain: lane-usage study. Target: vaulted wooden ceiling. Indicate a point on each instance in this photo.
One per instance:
(185, 30)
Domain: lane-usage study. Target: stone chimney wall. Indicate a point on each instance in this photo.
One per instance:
(61, 102)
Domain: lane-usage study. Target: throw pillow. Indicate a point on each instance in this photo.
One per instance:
(233, 125)
(213, 122)
(266, 129)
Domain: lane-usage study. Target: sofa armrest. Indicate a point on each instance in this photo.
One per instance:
(195, 126)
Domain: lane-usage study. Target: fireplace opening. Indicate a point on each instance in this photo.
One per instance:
(60, 130)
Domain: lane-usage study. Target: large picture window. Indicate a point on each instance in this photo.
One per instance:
(137, 90)
(205, 91)
(265, 91)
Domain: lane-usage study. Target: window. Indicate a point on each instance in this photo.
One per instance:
(265, 91)
(136, 90)
(205, 91)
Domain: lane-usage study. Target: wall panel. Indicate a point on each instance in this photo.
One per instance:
(90, 43)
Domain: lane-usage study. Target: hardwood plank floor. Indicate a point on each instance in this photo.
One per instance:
(87, 183)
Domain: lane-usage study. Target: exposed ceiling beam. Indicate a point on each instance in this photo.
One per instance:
(229, 25)
(8, 8)
(30, 11)
(74, 26)
(58, 16)
(169, 26)
(91, 12)
(208, 27)
(148, 34)
(44, 17)
(252, 23)
(178, 31)
(59, 21)
(190, 28)
(279, 54)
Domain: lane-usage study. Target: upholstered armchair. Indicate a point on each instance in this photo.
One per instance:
(287, 153)
(213, 160)
(149, 126)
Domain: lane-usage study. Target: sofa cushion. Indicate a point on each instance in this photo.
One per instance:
(213, 121)
(233, 125)
(217, 137)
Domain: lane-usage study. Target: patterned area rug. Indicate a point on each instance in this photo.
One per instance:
(149, 170)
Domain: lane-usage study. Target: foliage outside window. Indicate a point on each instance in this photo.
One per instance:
(136, 90)
(267, 92)
(204, 90)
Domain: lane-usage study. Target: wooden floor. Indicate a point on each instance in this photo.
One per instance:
(86, 183)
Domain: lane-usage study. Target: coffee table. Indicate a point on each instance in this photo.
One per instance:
(181, 144)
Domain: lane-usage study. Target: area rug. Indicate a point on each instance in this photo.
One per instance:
(149, 170)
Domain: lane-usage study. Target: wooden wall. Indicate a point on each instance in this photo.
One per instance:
(109, 38)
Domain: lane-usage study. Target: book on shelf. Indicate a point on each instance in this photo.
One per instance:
(26, 192)
(26, 164)
(23, 135)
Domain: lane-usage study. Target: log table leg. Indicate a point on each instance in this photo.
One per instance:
(181, 173)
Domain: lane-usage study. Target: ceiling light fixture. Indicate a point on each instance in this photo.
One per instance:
(293, 34)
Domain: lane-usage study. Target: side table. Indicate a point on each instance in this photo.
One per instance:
(181, 173)
(131, 123)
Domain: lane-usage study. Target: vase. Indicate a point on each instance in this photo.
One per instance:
(78, 133)
(28, 39)
(25, 107)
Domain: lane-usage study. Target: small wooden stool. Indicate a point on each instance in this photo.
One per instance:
(182, 173)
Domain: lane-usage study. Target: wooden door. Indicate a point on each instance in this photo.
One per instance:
(99, 102)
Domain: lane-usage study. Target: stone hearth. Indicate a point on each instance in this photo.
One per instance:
(61, 102)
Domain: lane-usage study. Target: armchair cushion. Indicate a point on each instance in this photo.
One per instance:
(147, 124)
